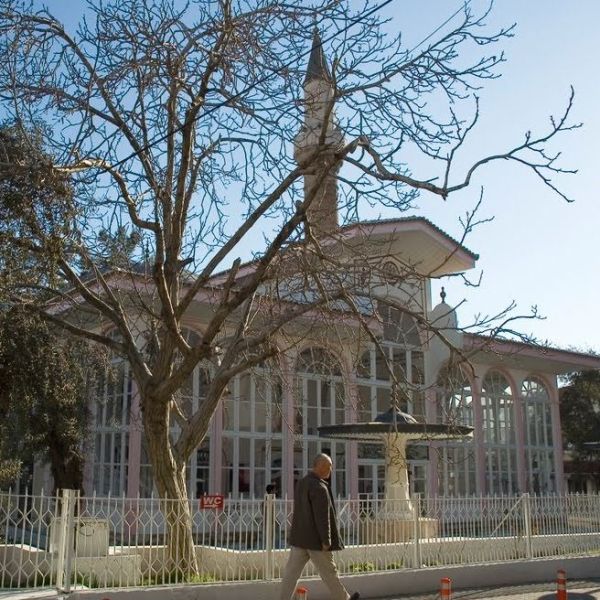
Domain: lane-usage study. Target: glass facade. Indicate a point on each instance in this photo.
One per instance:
(457, 462)
(112, 415)
(252, 449)
(538, 431)
(259, 435)
(390, 372)
(319, 400)
(499, 434)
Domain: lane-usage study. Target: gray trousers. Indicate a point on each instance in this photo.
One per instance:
(325, 565)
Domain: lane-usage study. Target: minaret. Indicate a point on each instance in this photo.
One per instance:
(322, 213)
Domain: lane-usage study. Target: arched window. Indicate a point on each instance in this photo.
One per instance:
(538, 444)
(391, 273)
(499, 434)
(252, 449)
(393, 369)
(456, 468)
(112, 417)
(320, 400)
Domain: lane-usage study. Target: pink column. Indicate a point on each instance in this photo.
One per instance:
(433, 462)
(351, 391)
(557, 439)
(135, 442)
(288, 427)
(215, 477)
(478, 438)
(519, 415)
(89, 449)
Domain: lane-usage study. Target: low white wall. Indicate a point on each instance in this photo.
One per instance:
(374, 585)
(233, 564)
(127, 566)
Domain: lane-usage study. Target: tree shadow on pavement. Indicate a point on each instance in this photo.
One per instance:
(570, 596)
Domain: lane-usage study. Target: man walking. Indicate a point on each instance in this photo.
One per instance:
(314, 535)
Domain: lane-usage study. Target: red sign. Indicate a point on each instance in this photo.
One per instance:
(212, 501)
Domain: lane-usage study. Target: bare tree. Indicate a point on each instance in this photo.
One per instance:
(183, 126)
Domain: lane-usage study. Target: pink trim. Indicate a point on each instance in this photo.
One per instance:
(549, 355)
(434, 453)
(519, 417)
(215, 478)
(90, 453)
(557, 440)
(351, 392)
(287, 466)
(135, 442)
(478, 440)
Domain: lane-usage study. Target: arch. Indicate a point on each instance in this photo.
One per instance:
(252, 443)
(320, 399)
(391, 272)
(539, 446)
(318, 360)
(112, 416)
(456, 459)
(498, 411)
(399, 326)
(454, 395)
(393, 366)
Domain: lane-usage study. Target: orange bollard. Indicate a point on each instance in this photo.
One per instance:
(561, 585)
(446, 588)
(301, 594)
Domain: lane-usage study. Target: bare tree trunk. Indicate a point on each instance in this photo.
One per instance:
(170, 480)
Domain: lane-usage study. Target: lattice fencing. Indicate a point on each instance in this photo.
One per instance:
(118, 542)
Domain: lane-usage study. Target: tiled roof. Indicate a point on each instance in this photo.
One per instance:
(376, 222)
(542, 347)
(412, 219)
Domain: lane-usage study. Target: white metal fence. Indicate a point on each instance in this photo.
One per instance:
(106, 542)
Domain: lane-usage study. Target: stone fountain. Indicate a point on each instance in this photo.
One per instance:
(395, 429)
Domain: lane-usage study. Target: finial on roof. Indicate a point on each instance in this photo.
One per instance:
(443, 295)
(317, 65)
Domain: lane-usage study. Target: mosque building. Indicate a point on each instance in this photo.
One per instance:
(266, 428)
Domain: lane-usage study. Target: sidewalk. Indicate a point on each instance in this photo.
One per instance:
(588, 589)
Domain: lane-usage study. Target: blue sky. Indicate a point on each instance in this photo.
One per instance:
(538, 250)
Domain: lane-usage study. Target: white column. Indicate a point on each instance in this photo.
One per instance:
(397, 492)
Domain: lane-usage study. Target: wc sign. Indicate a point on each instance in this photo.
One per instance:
(212, 501)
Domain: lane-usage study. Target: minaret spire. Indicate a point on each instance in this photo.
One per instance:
(319, 116)
(317, 64)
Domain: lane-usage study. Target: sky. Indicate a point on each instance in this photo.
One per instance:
(538, 249)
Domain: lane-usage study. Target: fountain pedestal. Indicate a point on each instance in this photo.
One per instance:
(385, 530)
(395, 520)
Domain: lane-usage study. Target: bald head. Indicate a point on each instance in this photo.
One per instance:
(322, 466)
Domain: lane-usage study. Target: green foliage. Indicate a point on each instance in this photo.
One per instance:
(45, 380)
(364, 567)
(580, 413)
(37, 213)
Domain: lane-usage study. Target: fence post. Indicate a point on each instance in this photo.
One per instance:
(416, 502)
(526, 499)
(268, 533)
(65, 541)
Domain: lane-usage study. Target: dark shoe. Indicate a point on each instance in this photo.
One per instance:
(355, 596)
